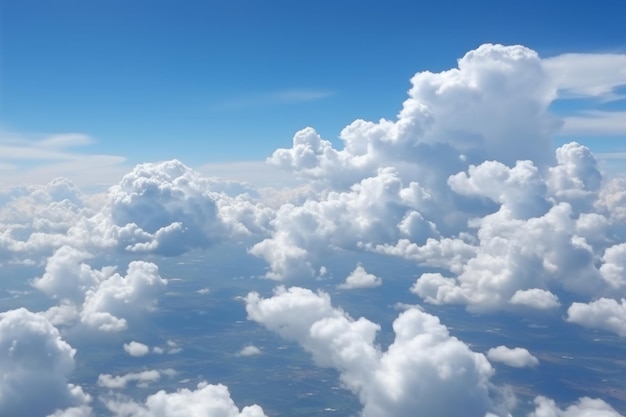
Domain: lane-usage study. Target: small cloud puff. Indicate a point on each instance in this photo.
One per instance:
(360, 278)
(136, 349)
(250, 350)
(515, 357)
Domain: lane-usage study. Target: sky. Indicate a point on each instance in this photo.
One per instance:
(289, 208)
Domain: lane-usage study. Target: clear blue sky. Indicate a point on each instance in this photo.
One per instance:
(208, 81)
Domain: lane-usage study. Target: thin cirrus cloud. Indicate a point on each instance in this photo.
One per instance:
(290, 96)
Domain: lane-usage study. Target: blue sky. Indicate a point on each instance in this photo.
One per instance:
(215, 81)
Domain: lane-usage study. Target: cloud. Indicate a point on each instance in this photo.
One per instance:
(360, 278)
(421, 370)
(35, 363)
(595, 123)
(136, 349)
(585, 407)
(515, 357)
(291, 96)
(204, 401)
(586, 75)
(535, 298)
(250, 350)
(101, 298)
(143, 379)
(604, 313)
(55, 156)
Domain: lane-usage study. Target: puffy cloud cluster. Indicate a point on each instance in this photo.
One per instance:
(35, 364)
(100, 298)
(204, 401)
(585, 407)
(421, 370)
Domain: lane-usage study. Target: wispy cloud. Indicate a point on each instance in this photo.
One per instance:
(595, 123)
(587, 75)
(290, 96)
(35, 159)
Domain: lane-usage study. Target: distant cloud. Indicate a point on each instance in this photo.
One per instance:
(584, 407)
(136, 349)
(250, 350)
(515, 357)
(142, 379)
(360, 278)
(35, 159)
(292, 96)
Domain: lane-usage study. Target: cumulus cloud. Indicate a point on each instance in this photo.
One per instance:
(584, 407)
(35, 363)
(360, 278)
(535, 298)
(136, 349)
(604, 313)
(249, 350)
(422, 369)
(101, 298)
(515, 357)
(204, 401)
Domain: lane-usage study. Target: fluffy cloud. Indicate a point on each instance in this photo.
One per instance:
(249, 350)
(101, 298)
(535, 298)
(422, 369)
(515, 357)
(35, 363)
(604, 313)
(360, 278)
(136, 349)
(379, 208)
(585, 407)
(205, 401)
(107, 304)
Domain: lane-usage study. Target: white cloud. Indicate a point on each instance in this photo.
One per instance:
(535, 298)
(55, 156)
(35, 364)
(584, 407)
(116, 297)
(249, 350)
(421, 370)
(204, 401)
(515, 357)
(142, 379)
(604, 313)
(360, 278)
(136, 349)
(587, 75)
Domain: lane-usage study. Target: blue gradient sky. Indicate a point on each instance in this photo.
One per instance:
(219, 81)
